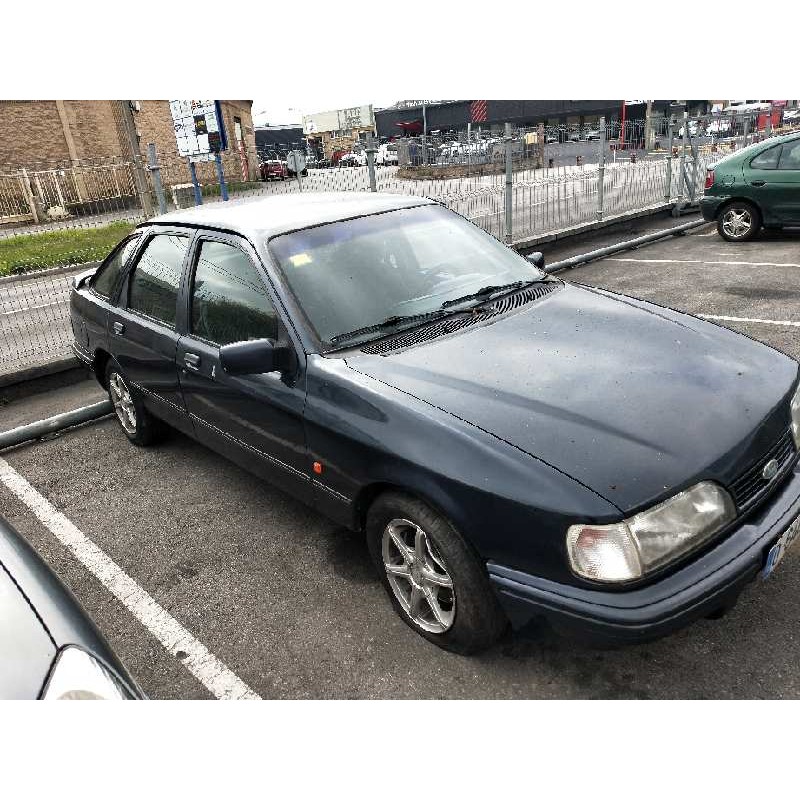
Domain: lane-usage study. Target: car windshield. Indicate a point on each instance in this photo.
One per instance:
(388, 269)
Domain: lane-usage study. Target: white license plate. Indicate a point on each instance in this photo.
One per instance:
(778, 550)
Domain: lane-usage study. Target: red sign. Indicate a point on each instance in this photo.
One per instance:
(478, 111)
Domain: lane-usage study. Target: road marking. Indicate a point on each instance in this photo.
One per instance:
(200, 661)
(701, 261)
(751, 319)
(32, 308)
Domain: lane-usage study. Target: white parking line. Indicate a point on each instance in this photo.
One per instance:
(201, 662)
(33, 308)
(751, 319)
(702, 261)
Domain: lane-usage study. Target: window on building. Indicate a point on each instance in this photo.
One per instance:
(157, 276)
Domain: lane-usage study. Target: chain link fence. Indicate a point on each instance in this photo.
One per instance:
(527, 183)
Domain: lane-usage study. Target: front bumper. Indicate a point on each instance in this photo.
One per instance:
(707, 585)
(709, 205)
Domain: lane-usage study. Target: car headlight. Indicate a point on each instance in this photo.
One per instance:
(77, 675)
(629, 549)
(795, 407)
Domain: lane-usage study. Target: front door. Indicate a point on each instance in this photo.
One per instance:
(142, 331)
(257, 420)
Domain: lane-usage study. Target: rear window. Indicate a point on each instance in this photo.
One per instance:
(106, 278)
(157, 276)
(768, 159)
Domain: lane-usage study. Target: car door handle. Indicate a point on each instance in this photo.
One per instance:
(119, 328)
(758, 183)
(192, 361)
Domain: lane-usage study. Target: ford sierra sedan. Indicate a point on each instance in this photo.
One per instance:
(512, 446)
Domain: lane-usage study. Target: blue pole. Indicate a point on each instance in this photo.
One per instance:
(221, 175)
(198, 197)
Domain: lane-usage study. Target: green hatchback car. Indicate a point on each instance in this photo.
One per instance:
(754, 188)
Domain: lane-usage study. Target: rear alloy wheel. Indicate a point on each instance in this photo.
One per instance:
(435, 581)
(739, 222)
(137, 423)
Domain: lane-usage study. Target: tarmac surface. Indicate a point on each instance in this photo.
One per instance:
(290, 603)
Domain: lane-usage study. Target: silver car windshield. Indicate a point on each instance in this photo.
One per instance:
(391, 267)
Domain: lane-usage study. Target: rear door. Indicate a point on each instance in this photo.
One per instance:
(788, 183)
(256, 420)
(142, 330)
(772, 179)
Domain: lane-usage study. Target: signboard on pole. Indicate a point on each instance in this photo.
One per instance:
(341, 119)
(199, 128)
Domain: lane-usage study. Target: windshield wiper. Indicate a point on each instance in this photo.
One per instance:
(390, 322)
(490, 291)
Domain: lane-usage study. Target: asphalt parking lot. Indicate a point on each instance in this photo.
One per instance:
(289, 602)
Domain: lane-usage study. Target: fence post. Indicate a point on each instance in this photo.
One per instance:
(509, 183)
(28, 192)
(138, 168)
(371, 150)
(668, 178)
(768, 130)
(155, 171)
(601, 168)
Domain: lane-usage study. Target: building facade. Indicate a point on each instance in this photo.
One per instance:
(52, 134)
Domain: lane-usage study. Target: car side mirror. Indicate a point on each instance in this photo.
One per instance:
(537, 259)
(254, 357)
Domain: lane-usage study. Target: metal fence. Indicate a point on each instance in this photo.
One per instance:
(519, 186)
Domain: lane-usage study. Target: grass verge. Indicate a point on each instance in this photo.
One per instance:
(56, 248)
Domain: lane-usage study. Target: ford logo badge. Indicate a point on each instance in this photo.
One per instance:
(770, 470)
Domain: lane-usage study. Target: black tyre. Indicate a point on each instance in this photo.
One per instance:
(434, 580)
(739, 221)
(137, 423)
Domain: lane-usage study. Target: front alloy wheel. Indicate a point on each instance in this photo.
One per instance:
(418, 577)
(123, 403)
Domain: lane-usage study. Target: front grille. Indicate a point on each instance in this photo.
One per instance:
(452, 324)
(751, 485)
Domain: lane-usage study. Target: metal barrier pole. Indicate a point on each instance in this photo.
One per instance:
(155, 171)
(43, 427)
(198, 195)
(223, 187)
(371, 150)
(668, 178)
(601, 168)
(509, 185)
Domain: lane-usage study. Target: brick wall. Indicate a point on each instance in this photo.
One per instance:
(30, 135)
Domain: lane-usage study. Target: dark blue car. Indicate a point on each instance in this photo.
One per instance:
(512, 446)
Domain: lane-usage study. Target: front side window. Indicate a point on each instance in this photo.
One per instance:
(790, 156)
(768, 159)
(358, 273)
(104, 281)
(229, 300)
(157, 276)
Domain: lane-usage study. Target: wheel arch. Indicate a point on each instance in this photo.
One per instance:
(739, 199)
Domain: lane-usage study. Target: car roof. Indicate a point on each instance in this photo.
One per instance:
(276, 214)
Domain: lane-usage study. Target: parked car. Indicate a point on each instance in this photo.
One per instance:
(756, 187)
(51, 649)
(354, 159)
(511, 446)
(274, 170)
(386, 155)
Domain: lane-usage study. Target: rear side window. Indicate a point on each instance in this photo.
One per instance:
(790, 156)
(229, 300)
(768, 159)
(106, 278)
(157, 276)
